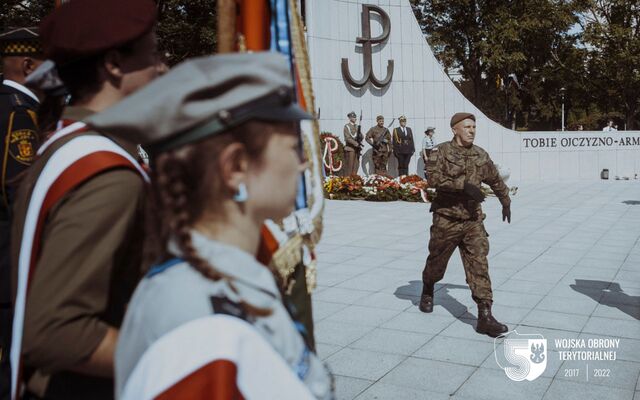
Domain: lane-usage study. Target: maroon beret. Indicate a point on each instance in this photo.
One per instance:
(461, 116)
(82, 28)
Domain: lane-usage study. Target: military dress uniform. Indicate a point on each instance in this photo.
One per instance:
(19, 127)
(458, 218)
(352, 149)
(403, 147)
(380, 139)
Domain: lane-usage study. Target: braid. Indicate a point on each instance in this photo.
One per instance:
(172, 194)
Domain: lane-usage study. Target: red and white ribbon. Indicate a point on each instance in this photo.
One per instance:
(73, 163)
(217, 357)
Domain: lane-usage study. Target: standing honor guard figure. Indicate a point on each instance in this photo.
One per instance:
(353, 145)
(379, 138)
(456, 170)
(403, 147)
(76, 233)
(21, 54)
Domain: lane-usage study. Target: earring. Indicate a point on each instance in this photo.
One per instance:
(241, 195)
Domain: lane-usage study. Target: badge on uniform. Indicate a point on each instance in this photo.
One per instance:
(21, 145)
(222, 305)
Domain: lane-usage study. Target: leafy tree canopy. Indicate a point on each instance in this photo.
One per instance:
(515, 57)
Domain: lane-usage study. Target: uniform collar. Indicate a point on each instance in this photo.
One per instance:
(21, 88)
(235, 263)
(75, 113)
(463, 150)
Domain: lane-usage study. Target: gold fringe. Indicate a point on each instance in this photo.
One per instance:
(288, 256)
(301, 55)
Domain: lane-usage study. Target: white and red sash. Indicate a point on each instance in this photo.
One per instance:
(217, 357)
(72, 164)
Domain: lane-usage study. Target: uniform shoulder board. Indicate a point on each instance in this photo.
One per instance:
(17, 101)
(223, 305)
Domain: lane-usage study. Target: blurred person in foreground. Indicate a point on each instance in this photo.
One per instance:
(78, 214)
(225, 154)
(21, 54)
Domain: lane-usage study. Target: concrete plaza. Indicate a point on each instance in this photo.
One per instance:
(567, 267)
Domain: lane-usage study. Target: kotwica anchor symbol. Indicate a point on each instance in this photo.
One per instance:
(367, 42)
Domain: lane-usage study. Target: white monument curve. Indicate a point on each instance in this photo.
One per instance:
(422, 91)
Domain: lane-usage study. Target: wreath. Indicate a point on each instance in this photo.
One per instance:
(332, 152)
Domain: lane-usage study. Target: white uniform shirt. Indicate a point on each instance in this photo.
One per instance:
(428, 143)
(175, 294)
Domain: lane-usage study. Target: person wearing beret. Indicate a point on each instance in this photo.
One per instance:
(352, 145)
(21, 54)
(456, 169)
(403, 146)
(379, 138)
(224, 149)
(78, 213)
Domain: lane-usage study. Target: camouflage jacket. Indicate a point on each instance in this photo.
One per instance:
(449, 166)
(381, 137)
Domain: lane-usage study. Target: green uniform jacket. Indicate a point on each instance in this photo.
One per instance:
(378, 135)
(449, 166)
(87, 269)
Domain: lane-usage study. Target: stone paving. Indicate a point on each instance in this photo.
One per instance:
(567, 267)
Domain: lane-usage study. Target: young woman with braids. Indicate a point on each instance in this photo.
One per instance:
(208, 321)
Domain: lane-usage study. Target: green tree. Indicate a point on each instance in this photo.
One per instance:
(611, 35)
(187, 28)
(505, 51)
(15, 13)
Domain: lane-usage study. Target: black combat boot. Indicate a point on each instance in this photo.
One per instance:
(487, 324)
(426, 300)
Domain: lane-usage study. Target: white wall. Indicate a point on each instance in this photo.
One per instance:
(424, 93)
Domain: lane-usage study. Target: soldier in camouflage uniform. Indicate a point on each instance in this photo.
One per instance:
(379, 138)
(456, 169)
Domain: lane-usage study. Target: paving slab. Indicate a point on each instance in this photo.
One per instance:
(348, 387)
(363, 364)
(436, 376)
(384, 391)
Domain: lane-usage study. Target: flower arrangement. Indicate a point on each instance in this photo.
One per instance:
(344, 187)
(377, 188)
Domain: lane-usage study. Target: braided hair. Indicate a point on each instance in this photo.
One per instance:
(184, 185)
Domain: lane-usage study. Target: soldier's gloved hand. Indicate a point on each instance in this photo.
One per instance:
(474, 192)
(506, 214)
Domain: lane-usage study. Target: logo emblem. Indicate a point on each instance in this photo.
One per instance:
(21, 145)
(367, 43)
(523, 356)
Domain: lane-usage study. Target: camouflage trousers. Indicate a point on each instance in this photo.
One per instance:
(472, 240)
(380, 162)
